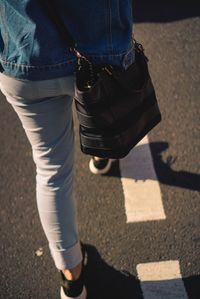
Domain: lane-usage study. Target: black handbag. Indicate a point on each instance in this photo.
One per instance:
(116, 108)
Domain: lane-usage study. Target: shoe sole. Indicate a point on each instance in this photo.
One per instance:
(83, 295)
(94, 170)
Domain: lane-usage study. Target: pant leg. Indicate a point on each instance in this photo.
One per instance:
(45, 111)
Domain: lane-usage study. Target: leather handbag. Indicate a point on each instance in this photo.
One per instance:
(116, 108)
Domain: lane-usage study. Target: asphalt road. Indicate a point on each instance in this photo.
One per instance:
(172, 42)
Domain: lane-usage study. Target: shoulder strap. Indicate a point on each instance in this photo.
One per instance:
(50, 8)
(85, 67)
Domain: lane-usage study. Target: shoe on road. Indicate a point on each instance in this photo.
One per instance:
(101, 166)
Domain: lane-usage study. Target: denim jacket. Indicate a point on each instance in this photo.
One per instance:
(32, 49)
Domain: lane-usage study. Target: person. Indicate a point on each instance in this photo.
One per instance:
(37, 79)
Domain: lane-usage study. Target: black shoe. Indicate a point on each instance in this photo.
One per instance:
(101, 166)
(73, 289)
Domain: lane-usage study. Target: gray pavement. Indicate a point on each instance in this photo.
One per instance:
(172, 43)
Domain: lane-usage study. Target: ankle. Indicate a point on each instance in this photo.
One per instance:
(74, 273)
(99, 159)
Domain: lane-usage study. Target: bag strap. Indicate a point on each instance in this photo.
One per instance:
(50, 8)
(84, 66)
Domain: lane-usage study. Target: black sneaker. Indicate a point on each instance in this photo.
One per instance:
(101, 166)
(73, 289)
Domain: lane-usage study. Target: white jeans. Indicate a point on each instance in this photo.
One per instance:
(45, 110)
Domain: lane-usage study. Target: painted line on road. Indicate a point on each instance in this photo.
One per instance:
(161, 280)
(143, 200)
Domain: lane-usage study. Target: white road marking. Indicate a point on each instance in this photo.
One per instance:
(143, 201)
(161, 280)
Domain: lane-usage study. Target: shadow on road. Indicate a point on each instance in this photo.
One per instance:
(165, 173)
(104, 282)
(164, 11)
(192, 284)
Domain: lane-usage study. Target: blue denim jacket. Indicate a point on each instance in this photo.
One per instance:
(32, 49)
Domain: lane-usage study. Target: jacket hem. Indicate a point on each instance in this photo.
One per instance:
(62, 69)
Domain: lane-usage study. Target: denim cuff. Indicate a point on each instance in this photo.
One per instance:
(67, 258)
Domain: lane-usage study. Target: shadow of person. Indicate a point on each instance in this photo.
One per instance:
(164, 11)
(165, 173)
(192, 284)
(104, 282)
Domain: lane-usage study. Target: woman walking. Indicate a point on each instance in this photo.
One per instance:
(37, 79)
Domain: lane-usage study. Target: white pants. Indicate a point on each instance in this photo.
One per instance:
(45, 110)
